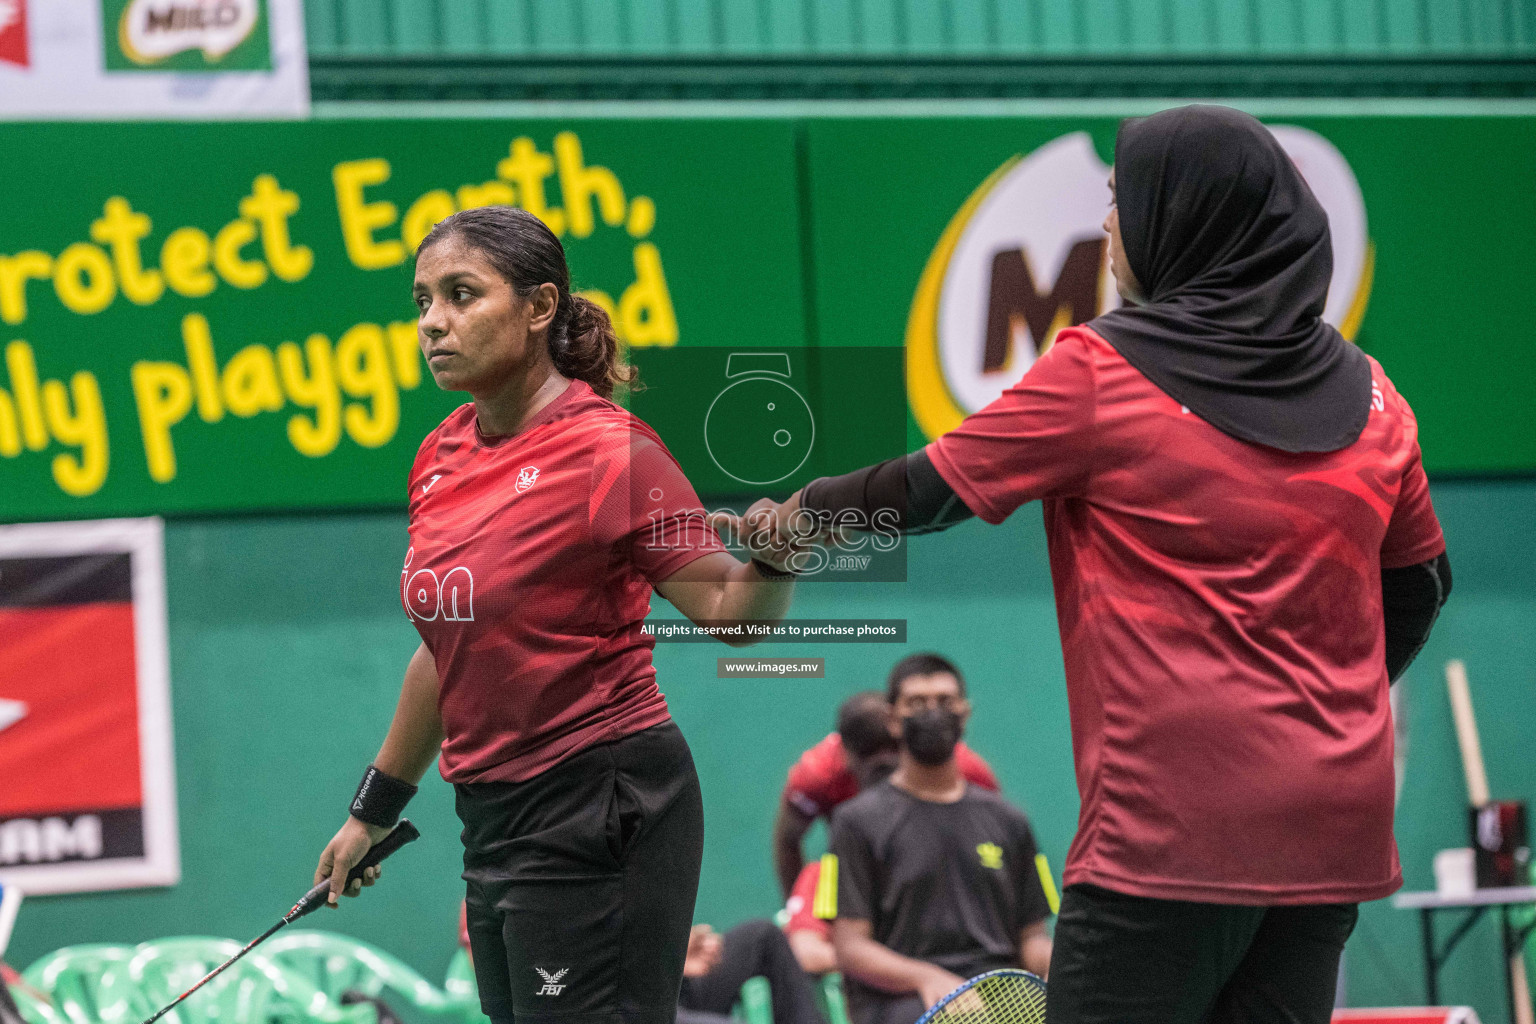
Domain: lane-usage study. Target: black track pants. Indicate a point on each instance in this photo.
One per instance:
(1129, 960)
(581, 883)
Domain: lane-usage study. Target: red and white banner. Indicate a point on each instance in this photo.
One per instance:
(89, 800)
(1407, 1015)
(13, 33)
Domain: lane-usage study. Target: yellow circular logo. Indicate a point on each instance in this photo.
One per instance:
(1024, 257)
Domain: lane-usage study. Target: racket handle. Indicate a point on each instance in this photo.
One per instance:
(313, 900)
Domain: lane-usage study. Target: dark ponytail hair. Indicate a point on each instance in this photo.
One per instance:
(523, 250)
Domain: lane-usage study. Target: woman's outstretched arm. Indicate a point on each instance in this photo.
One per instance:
(905, 494)
(719, 590)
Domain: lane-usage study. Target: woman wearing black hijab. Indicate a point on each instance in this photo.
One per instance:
(1244, 554)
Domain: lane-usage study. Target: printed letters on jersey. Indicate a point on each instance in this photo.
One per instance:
(529, 579)
(425, 597)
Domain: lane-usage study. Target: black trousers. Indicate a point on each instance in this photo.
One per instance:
(1129, 960)
(871, 1007)
(9, 1013)
(751, 949)
(581, 883)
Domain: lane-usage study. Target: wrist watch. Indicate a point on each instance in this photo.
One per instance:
(772, 572)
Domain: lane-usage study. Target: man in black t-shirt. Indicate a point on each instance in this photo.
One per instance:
(930, 880)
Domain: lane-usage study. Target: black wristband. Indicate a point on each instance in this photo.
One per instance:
(380, 798)
(771, 572)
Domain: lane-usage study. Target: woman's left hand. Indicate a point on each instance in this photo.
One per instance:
(774, 532)
(763, 529)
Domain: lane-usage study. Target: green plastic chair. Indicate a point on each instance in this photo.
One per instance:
(80, 981)
(459, 985)
(336, 963)
(756, 1002)
(830, 994)
(253, 991)
(34, 1012)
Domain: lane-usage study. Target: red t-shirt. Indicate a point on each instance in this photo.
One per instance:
(821, 778)
(529, 574)
(1221, 625)
(801, 905)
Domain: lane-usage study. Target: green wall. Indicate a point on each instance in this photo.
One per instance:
(807, 233)
(542, 50)
(970, 28)
(287, 646)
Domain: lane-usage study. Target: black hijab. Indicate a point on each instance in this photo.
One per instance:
(1234, 258)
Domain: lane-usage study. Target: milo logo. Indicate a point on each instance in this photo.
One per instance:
(1025, 256)
(186, 35)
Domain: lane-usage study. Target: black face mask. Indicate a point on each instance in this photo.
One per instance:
(930, 736)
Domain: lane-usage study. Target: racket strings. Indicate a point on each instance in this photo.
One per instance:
(1004, 998)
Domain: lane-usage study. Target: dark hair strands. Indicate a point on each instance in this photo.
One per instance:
(923, 663)
(861, 723)
(581, 339)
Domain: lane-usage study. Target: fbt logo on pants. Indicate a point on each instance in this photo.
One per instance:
(427, 598)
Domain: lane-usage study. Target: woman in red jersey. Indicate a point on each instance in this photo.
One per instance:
(1244, 554)
(542, 515)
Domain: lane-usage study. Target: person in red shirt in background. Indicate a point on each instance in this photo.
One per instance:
(1244, 555)
(809, 936)
(861, 751)
(542, 517)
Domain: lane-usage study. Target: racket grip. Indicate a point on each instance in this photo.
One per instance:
(313, 900)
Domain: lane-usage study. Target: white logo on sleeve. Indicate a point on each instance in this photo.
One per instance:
(526, 478)
(428, 485)
(551, 986)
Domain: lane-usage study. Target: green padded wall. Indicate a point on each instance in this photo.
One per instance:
(839, 49)
(718, 28)
(287, 645)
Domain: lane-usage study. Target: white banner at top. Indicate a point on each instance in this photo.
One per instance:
(152, 59)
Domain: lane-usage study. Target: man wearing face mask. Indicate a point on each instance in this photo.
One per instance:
(859, 753)
(930, 880)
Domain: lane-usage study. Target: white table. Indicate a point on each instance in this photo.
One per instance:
(1477, 901)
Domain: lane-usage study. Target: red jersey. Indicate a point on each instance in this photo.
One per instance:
(1221, 625)
(801, 905)
(821, 779)
(529, 574)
